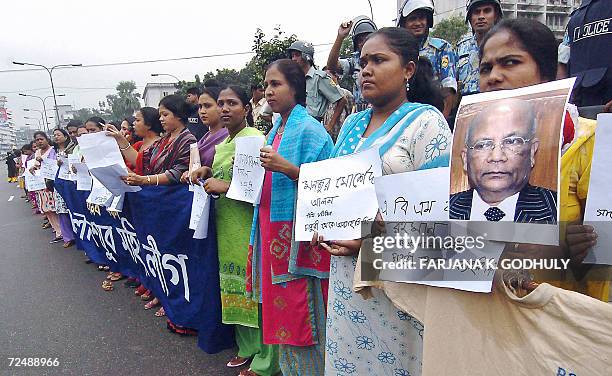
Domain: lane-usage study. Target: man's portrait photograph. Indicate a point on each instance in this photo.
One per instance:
(505, 159)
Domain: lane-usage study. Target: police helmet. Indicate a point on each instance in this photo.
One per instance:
(471, 4)
(305, 48)
(361, 25)
(410, 6)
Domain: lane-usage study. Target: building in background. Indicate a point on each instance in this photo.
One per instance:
(7, 129)
(552, 13)
(66, 113)
(155, 91)
(24, 135)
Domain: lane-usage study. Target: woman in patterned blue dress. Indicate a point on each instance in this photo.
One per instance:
(370, 336)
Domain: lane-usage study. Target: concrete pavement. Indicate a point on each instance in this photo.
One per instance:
(52, 306)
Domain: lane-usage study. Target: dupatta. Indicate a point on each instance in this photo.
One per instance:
(304, 140)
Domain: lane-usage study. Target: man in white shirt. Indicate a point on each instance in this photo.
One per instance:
(498, 156)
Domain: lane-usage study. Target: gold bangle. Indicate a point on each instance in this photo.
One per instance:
(148, 179)
(157, 180)
(125, 148)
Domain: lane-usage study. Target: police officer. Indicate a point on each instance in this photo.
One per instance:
(586, 53)
(194, 123)
(481, 15)
(359, 29)
(320, 89)
(416, 16)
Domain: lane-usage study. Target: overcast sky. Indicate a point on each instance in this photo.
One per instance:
(109, 31)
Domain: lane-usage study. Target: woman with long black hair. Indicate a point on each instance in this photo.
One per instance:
(372, 335)
(63, 146)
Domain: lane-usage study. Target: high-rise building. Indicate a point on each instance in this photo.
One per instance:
(7, 129)
(24, 135)
(552, 13)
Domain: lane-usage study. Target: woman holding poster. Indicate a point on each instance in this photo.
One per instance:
(411, 136)
(63, 147)
(166, 159)
(533, 49)
(232, 221)
(46, 202)
(289, 278)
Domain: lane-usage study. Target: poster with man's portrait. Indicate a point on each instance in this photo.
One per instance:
(505, 162)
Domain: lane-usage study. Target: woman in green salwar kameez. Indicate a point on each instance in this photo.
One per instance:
(233, 219)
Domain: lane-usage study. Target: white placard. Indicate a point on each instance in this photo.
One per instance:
(33, 182)
(83, 179)
(336, 195)
(200, 211)
(64, 170)
(48, 168)
(72, 159)
(401, 197)
(598, 212)
(247, 173)
(116, 204)
(99, 194)
(110, 177)
(100, 150)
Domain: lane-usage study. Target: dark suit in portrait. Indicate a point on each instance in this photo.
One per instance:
(534, 205)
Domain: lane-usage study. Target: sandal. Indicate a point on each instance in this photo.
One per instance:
(57, 239)
(237, 362)
(131, 283)
(146, 296)
(140, 290)
(180, 330)
(106, 268)
(247, 372)
(116, 277)
(108, 276)
(69, 244)
(107, 286)
(101, 268)
(160, 312)
(152, 304)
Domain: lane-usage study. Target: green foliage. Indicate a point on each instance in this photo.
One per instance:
(266, 51)
(85, 113)
(451, 29)
(124, 103)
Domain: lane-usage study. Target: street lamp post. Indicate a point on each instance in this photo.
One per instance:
(43, 103)
(42, 116)
(38, 120)
(165, 74)
(50, 71)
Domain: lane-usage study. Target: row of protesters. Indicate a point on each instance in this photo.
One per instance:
(294, 306)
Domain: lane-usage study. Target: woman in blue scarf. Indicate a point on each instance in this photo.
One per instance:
(289, 277)
(371, 336)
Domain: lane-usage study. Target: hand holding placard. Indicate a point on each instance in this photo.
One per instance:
(328, 191)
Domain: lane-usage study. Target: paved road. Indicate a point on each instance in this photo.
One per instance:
(51, 305)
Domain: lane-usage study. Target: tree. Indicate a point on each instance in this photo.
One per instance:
(451, 29)
(124, 103)
(266, 51)
(85, 113)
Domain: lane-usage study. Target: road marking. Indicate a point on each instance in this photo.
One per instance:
(11, 198)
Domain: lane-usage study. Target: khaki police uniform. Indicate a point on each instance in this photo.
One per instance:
(320, 92)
